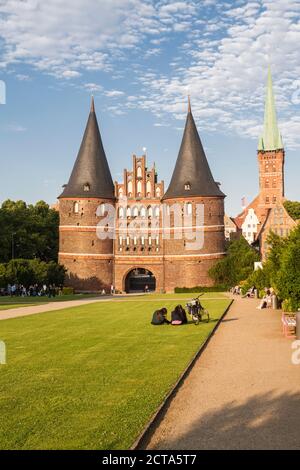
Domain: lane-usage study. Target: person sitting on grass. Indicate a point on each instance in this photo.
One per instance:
(159, 317)
(178, 316)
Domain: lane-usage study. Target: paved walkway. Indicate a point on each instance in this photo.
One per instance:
(50, 306)
(242, 393)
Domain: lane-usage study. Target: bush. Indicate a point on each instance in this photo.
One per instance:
(236, 266)
(289, 305)
(67, 291)
(185, 290)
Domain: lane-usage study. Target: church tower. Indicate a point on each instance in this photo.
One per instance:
(83, 204)
(270, 155)
(193, 187)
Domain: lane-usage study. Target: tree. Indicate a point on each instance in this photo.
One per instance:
(237, 265)
(31, 271)
(293, 209)
(287, 280)
(30, 231)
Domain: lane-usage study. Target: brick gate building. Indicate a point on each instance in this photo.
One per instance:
(130, 233)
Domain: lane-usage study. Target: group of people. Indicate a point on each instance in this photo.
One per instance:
(266, 301)
(33, 290)
(178, 316)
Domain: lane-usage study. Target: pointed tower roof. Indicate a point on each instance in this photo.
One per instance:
(271, 138)
(90, 176)
(192, 175)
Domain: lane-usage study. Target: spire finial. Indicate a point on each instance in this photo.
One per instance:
(92, 104)
(271, 138)
(189, 104)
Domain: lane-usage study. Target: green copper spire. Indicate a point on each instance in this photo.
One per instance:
(271, 138)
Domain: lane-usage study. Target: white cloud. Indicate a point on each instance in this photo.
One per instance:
(93, 87)
(216, 51)
(22, 77)
(113, 93)
(70, 74)
(226, 75)
(16, 128)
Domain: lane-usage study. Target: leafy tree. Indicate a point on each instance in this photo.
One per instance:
(288, 276)
(31, 231)
(31, 271)
(281, 269)
(293, 209)
(237, 265)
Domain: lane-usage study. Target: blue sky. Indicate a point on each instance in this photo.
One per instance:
(141, 59)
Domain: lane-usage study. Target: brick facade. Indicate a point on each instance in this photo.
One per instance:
(95, 264)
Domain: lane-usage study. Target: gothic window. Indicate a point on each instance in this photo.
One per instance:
(76, 207)
(187, 186)
(86, 187)
(139, 188)
(274, 167)
(121, 212)
(150, 241)
(156, 211)
(274, 183)
(143, 212)
(157, 240)
(128, 212)
(121, 192)
(139, 172)
(135, 212)
(120, 240)
(130, 188)
(134, 240)
(127, 241)
(267, 199)
(148, 188)
(157, 192)
(143, 240)
(274, 198)
(267, 183)
(150, 212)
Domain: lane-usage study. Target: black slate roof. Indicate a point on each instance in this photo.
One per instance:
(192, 169)
(90, 176)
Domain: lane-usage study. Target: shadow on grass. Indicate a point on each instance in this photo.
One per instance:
(266, 421)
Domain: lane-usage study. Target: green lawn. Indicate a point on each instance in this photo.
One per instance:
(10, 306)
(15, 302)
(90, 377)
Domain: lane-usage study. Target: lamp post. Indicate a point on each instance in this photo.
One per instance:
(13, 245)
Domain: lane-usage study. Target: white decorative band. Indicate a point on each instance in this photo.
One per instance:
(196, 255)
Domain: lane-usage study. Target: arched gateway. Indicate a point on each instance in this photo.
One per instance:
(140, 280)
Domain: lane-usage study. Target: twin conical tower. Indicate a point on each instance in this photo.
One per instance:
(95, 262)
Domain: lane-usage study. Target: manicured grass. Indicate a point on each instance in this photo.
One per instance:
(14, 302)
(90, 377)
(10, 306)
(206, 295)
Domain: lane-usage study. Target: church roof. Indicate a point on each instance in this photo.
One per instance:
(192, 175)
(271, 138)
(90, 176)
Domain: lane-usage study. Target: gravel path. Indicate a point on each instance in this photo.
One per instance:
(242, 393)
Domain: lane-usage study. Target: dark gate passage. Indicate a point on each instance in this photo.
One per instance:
(140, 280)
